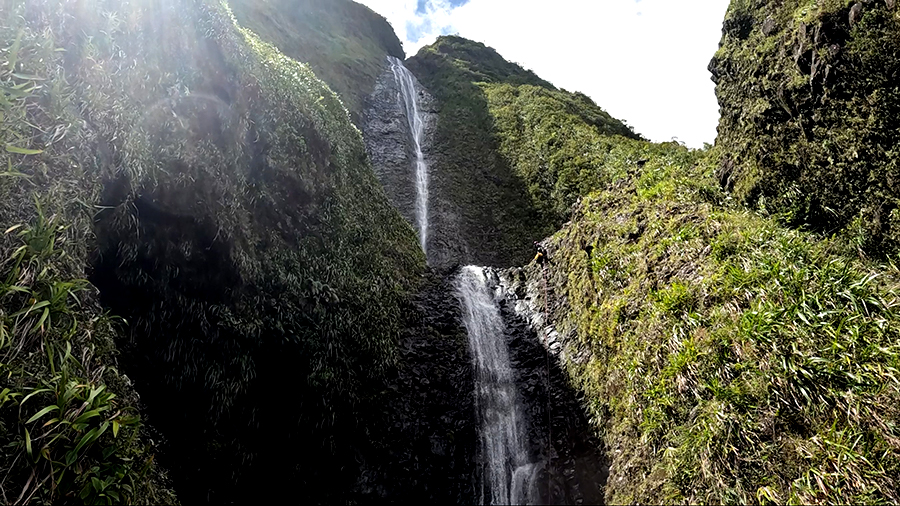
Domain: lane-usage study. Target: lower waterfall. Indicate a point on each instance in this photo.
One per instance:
(507, 476)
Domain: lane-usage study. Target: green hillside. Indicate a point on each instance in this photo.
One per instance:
(217, 194)
(724, 358)
(345, 43)
(499, 183)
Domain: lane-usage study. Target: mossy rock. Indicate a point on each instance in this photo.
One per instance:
(345, 43)
(233, 220)
(809, 103)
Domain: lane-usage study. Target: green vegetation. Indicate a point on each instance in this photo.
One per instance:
(70, 430)
(809, 104)
(730, 359)
(474, 62)
(345, 43)
(161, 162)
(217, 194)
(554, 140)
(487, 203)
(505, 189)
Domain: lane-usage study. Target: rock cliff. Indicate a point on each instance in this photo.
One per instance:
(809, 99)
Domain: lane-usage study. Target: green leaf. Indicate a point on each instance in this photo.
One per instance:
(37, 305)
(14, 51)
(23, 151)
(28, 77)
(94, 393)
(44, 316)
(115, 425)
(32, 394)
(8, 395)
(41, 413)
(87, 439)
(27, 442)
(86, 416)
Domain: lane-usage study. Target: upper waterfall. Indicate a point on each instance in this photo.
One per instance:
(409, 99)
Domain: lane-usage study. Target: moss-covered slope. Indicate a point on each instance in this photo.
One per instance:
(809, 100)
(557, 142)
(490, 149)
(723, 357)
(220, 198)
(344, 42)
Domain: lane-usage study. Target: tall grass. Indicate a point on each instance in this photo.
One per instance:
(731, 359)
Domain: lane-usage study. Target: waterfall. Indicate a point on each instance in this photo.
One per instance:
(504, 455)
(409, 99)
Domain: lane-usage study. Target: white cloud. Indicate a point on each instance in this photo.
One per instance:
(643, 61)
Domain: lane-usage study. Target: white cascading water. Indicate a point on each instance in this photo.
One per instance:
(507, 473)
(409, 98)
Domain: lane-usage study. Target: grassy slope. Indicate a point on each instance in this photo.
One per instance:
(809, 105)
(723, 357)
(344, 42)
(240, 230)
(553, 140)
(58, 358)
(478, 168)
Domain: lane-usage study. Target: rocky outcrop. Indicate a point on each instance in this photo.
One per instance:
(557, 427)
(809, 103)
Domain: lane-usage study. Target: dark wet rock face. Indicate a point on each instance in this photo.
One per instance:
(424, 430)
(579, 468)
(390, 144)
(391, 148)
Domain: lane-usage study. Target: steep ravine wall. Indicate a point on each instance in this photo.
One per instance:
(218, 195)
(809, 101)
(482, 213)
(344, 42)
(490, 197)
(389, 143)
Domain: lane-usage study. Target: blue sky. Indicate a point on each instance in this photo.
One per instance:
(423, 5)
(644, 61)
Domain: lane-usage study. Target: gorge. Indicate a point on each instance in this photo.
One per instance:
(252, 252)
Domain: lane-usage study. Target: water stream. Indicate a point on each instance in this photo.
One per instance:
(508, 477)
(409, 98)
